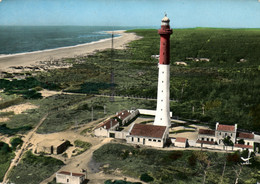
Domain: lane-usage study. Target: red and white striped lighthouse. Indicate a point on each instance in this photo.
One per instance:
(162, 116)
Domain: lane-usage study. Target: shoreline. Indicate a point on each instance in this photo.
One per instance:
(29, 59)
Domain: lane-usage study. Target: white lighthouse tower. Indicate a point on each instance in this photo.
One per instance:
(162, 116)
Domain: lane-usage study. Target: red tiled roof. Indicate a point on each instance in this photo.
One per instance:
(123, 114)
(205, 142)
(69, 173)
(148, 130)
(245, 135)
(107, 124)
(227, 128)
(181, 139)
(243, 146)
(206, 132)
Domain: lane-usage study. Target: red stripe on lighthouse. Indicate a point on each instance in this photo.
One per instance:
(165, 33)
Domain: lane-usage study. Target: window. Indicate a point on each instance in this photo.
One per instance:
(212, 140)
(162, 90)
(207, 139)
(132, 139)
(231, 134)
(162, 81)
(248, 143)
(161, 100)
(138, 139)
(225, 134)
(202, 138)
(161, 109)
(68, 180)
(154, 140)
(219, 133)
(219, 141)
(159, 140)
(150, 139)
(162, 72)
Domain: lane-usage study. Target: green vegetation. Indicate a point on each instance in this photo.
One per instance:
(15, 142)
(227, 86)
(82, 146)
(11, 102)
(27, 88)
(176, 166)
(6, 155)
(33, 169)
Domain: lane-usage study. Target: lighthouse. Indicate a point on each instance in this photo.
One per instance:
(162, 116)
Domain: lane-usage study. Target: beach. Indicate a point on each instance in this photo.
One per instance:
(33, 58)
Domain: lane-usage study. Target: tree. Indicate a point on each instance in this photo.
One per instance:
(241, 141)
(227, 141)
(204, 162)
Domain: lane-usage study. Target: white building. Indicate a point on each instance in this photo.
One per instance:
(70, 178)
(223, 131)
(127, 115)
(214, 138)
(180, 142)
(104, 128)
(149, 135)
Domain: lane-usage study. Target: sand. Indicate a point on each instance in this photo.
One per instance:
(32, 58)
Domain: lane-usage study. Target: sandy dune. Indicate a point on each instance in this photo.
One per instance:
(29, 59)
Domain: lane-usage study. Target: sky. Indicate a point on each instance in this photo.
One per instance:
(182, 13)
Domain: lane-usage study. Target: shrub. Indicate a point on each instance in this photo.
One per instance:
(192, 160)
(16, 141)
(233, 157)
(146, 178)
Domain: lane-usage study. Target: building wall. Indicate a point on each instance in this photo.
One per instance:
(130, 117)
(221, 147)
(247, 141)
(154, 142)
(180, 144)
(69, 179)
(149, 112)
(204, 137)
(120, 135)
(61, 148)
(101, 132)
(222, 134)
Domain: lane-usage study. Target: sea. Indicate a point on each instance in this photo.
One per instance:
(24, 39)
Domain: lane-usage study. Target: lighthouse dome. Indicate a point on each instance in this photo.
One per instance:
(165, 20)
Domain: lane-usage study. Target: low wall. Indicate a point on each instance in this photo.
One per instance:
(149, 112)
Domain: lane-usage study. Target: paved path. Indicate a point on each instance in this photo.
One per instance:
(19, 153)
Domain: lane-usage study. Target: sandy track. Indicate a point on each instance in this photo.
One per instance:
(21, 151)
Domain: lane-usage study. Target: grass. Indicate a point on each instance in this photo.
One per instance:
(6, 155)
(83, 146)
(34, 169)
(174, 166)
(227, 88)
(221, 85)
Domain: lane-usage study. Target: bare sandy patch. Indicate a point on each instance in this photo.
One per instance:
(46, 93)
(4, 119)
(18, 109)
